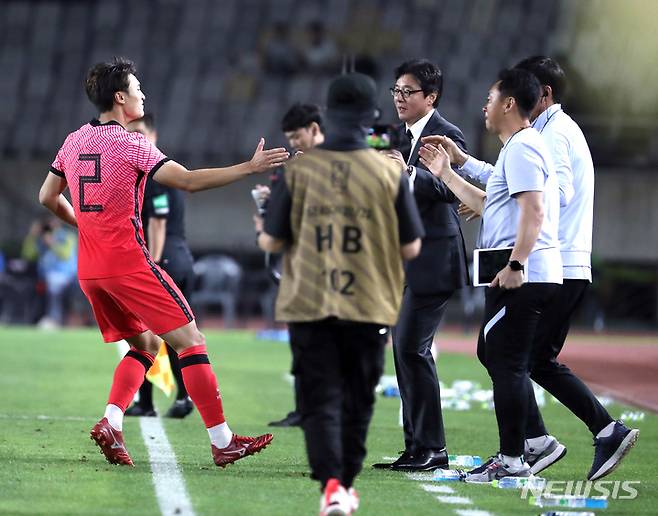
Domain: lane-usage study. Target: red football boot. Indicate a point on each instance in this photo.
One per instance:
(110, 441)
(239, 448)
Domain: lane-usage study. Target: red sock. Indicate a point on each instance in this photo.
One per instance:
(201, 384)
(128, 376)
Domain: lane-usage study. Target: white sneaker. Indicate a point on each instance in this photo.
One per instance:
(540, 459)
(354, 498)
(335, 501)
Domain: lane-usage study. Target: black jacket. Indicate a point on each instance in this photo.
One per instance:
(441, 265)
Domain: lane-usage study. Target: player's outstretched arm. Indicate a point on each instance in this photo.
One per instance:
(177, 176)
(51, 197)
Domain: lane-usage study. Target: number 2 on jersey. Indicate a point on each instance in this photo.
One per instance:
(96, 178)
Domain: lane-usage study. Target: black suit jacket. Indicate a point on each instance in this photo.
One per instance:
(441, 265)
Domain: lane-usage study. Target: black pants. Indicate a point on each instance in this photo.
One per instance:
(178, 263)
(557, 378)
(338, 366)
(505, 346)
(416, 371)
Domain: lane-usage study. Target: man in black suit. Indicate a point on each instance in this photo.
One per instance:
(432, 277)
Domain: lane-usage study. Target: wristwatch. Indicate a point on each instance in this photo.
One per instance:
(515, 265)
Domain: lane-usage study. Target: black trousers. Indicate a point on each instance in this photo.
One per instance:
(338, 365)
(557, 378)
(416, 371)
(178, 264)
(505, 347)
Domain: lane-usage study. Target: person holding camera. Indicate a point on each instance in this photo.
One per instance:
(344, 218)
(54, 248)
(431, 278)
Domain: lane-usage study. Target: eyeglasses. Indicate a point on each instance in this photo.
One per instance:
(405, 92)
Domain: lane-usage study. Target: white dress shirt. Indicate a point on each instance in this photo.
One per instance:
(416, 130)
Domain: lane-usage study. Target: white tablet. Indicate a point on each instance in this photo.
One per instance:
(489, 262)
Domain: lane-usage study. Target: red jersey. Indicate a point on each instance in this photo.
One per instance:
(105, 167)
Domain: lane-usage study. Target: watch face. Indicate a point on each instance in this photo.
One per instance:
(515, 265)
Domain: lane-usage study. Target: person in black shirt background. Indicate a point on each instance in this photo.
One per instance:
(163, 220)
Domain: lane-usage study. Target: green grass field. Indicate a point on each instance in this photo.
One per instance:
(50, 466)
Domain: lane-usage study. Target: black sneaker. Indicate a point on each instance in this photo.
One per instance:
(608, 451)
(180, 408)
(495, 470)
(292, 419)
(540, 459)
(140, 411)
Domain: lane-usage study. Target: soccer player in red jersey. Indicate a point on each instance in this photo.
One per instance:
(105, 168)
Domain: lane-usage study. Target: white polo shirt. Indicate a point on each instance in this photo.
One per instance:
(524, 165)
(575, 174)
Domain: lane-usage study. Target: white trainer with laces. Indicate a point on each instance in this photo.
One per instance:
(335, 500)
(495, 469)
(549, 454)
(354, 498)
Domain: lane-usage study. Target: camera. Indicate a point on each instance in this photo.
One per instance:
(260, 198)
(379, 137)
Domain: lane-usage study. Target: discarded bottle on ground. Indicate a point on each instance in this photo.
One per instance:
(465, 461)
(520, 482)
(570, 501)
(442, 475)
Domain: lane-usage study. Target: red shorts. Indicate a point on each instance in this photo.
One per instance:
(125, 306)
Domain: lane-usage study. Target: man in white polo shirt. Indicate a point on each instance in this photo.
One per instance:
(575, 174)
(520, 210)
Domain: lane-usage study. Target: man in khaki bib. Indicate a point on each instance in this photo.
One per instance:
(344, 217)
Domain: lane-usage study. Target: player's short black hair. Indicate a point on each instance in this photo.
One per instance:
(428, 75)
(148, 120)
(300, 116)
(105, 79)
(523, 86)
(548, 71)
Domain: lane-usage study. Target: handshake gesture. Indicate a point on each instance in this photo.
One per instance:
(438, 152)
(263, 160)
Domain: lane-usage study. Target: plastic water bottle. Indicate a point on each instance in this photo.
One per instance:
(519, 482)
(444, 475)
(465, 461)
(391, 392)
(570, 501)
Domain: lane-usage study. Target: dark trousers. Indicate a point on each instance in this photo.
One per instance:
(557, 378)
(416, 371)
(505, 346)
(179, 267)
(337, 366)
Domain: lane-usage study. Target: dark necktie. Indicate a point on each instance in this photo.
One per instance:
(410, 136)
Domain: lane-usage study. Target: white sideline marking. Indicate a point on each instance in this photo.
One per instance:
(455, 500)
(432, 488)
(169, 483)
(170, 489)
(41, 417)
(472, 512)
